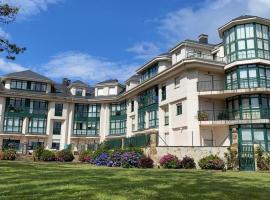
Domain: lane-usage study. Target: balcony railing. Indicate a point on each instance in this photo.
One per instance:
(241, 114)
(217, 85)
(243, 83)
(22, 111)
(205, 57)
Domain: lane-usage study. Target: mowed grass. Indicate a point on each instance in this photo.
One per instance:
(24, 180)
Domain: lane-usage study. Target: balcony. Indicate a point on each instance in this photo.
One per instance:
(25, 111)
(243, 83)
(234, 115)
(209, 57)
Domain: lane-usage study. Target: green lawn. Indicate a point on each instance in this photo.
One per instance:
(22, 180)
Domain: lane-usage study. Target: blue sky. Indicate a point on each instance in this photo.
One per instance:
(101, 39)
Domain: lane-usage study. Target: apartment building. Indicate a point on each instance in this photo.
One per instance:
(193, 95)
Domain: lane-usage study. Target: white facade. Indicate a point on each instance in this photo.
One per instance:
(188, 82)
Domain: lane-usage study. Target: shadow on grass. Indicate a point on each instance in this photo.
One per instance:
(19, 180)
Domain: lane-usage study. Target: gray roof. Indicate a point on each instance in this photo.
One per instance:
(108, 81)
(78, 82)
(135, 77)
(28, 74)
(243, 17)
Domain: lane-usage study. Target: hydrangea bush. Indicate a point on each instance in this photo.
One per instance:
(169, 161)
(211, 162)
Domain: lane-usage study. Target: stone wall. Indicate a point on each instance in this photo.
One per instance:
(195, 152)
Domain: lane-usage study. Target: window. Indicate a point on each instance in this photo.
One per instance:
(132, 106)
(153, 119)
(166, 117)
(86, 128)
(117, 127)
(100, 92)
(118, 109)
(58, 109)
(246, 44)
(39, 87)
(141, 120)
(13, 124)
(18, 84)
(79, 92)
(248, 76)
(37, 125)
(179, 109)
(177, 82)
(112, 91)
(133, 124)
(163, 93)
(15, 105)
(56, 144)
(149, 73)
(87, 110)
(56, 128)
(38, 107)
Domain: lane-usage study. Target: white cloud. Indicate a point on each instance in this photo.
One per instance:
(189, 22)
(4, 34)
(31, 7)
(144, 50)
(8, 66)
(76, 65)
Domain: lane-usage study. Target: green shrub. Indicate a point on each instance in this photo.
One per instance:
(231, 158)
(211, 162)
(37, 153)
(9, 154)
(64, 155)
(47, 155)
(263, 159)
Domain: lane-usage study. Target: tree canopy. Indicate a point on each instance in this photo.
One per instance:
(7, 15)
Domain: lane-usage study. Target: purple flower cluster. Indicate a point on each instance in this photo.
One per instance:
(115, 159)
(130, 159)
(118, 159)
(102, 159)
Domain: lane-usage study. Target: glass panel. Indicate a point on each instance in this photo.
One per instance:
(258, 31)
(246, 135)
(250, 43)
(240, 31)
(265, 32)
(241, 44)
(260, 43)
(249, 30)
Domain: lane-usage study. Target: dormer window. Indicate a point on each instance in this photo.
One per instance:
(100, 92)
(112, 91)
(79, 92)
(28, 85)
(40, 87)
(149, 73)
(18, 84)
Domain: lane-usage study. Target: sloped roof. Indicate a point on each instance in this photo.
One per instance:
(135, 77)
(243, 17)
(108, 81)
(78, 82)
(28, 74)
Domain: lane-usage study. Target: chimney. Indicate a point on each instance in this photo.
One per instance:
(66, 82)
(203, 38)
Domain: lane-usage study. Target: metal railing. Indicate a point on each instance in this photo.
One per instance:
(202, 56)
(240, 114)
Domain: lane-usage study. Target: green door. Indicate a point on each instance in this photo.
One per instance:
(246, 157)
